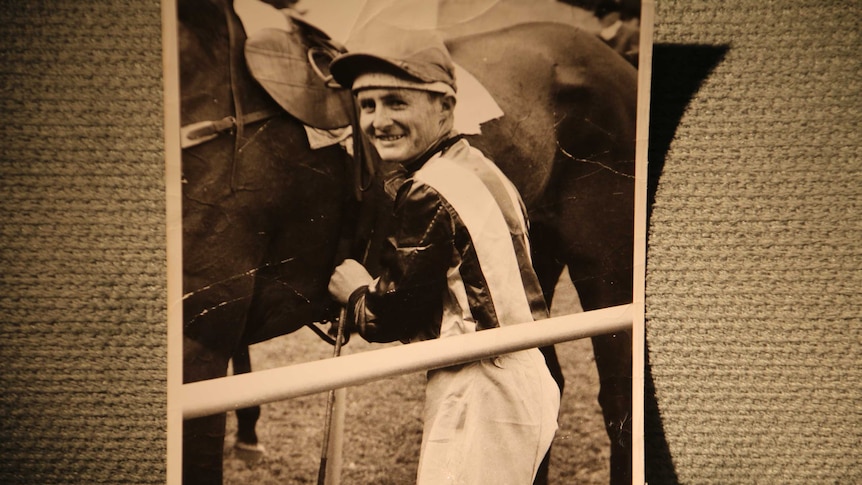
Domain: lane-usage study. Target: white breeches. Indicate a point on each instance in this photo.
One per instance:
(488, 422)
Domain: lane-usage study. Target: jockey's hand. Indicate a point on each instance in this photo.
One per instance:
(346, 278)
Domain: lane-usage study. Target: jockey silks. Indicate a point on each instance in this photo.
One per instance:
(459, 262)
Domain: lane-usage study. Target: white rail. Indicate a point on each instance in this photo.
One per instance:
(214, 396)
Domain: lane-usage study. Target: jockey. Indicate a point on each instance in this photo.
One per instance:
(457, 262)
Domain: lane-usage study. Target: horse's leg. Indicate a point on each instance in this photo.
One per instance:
(217, 288)
(246, 437)
(548, 269)
(203, 438)
(599, 244)
(613, 355)
(614, 363)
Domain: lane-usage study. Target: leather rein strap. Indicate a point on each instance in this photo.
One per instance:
(204, 131)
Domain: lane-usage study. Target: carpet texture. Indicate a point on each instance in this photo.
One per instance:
(753, 273)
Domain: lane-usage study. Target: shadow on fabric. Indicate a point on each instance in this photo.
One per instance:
(678, 70)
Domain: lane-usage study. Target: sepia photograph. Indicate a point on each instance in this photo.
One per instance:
(406, 240)
(419, 241)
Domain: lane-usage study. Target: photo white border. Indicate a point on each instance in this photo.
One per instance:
(647, 22)
(174, 215)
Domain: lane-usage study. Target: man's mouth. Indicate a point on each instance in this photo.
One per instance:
(389, 138)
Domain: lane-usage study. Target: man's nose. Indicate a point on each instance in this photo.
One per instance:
(382, 119)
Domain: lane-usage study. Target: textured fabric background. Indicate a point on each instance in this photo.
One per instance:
(754, 262)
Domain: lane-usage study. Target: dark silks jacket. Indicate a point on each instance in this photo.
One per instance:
(459, 259)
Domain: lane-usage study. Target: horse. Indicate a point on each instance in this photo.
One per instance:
(579, 183)
(246, 196)
(567, 142)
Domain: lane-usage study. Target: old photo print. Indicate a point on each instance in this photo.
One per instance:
(270, 188)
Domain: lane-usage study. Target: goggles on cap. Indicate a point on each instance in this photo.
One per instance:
(370, 80)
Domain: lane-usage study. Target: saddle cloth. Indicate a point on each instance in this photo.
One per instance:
(276, 52)
(277, 55)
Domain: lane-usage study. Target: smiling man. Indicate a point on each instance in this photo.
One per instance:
(403, 123)
(457, 262)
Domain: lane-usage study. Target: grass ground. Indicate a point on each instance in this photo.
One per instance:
(384, 425)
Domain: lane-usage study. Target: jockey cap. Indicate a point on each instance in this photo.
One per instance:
(396, 58)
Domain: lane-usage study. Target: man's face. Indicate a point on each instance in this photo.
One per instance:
(402, 123)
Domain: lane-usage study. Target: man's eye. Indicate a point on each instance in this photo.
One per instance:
(367, 106)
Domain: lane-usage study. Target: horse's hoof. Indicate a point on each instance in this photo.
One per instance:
(249, 452)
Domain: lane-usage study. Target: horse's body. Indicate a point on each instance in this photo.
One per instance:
(262, 217)
(260, 227)
(567, 142)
